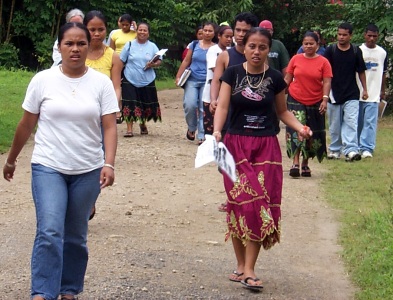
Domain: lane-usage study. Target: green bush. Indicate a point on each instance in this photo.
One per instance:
(168, 69)
(43, 49)
(9, 56)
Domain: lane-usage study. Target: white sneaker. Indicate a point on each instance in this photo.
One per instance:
(333, 155)
(351, 156)
(366, 154)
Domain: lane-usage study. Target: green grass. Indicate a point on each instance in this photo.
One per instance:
(12, 90)
(363, 192)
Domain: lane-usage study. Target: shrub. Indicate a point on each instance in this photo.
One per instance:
(9, 56)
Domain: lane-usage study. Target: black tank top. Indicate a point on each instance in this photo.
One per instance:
(235, 58)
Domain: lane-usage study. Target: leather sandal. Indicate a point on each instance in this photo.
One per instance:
(294, 171)
(190, 135)
(306, 172)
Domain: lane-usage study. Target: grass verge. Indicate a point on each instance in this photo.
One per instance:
(363, 192)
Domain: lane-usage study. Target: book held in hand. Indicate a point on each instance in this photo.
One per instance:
(156, 57)
(184, 76)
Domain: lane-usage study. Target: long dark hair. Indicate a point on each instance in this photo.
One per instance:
(95, 14)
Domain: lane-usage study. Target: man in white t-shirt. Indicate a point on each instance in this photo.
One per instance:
(376, 60)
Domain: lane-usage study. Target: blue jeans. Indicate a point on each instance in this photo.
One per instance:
(193, 106)
(63, 204)
(343, 125)
(368, 121)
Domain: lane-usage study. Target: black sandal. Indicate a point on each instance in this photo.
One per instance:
(294, 171)
(143, 129)
(120, 119)
(306, 172)
(190, 135)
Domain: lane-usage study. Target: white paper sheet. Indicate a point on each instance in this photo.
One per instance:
(211, 151)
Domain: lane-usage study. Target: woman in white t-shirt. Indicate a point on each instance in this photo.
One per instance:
(225, 34)
(68, 102)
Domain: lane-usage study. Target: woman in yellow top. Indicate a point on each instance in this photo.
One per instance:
(101, 57)
(120, 37)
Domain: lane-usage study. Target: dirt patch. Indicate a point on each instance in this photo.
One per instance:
(158, 234)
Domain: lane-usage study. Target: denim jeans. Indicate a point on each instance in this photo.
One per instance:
(343, 125)
(63, 204)
(368, 122)
(193, 106)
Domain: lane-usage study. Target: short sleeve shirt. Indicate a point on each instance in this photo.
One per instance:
(253, 109)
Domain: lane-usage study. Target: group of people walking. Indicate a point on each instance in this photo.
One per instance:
(236, 92)
(75, 105)
(247, 84)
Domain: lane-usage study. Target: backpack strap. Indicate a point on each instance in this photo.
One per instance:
(194, 43)
(129, 47)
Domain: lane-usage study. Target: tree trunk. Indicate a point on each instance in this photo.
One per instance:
(8, 36)
(1, 21)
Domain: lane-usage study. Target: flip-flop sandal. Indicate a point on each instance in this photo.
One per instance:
(250, 286)
(306, 171)
(223, 208)
(190, 135)
(128, 134)
(237, 274)
(294, 171)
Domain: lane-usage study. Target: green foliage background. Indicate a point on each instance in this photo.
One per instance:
(173, 21)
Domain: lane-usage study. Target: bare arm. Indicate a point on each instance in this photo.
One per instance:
(112, 44)
(23, 131)
(107, 176)
(222, 110)
(185, 64)
(288, 79)
(327, 82)
(221, 65)
(117, 66)
(289, 118)
(362, 78)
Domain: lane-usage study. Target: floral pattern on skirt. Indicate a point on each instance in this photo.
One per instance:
(140, 103)
(307, 115)
(207, 118)
(254, 200)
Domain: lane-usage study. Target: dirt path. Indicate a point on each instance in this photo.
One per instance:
(158, 234)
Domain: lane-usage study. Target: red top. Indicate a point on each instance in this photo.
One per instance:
(308, 74)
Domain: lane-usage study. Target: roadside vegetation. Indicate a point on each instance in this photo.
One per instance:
(362, 192)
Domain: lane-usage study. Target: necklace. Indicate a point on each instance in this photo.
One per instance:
(73, 90)
(101, 52)
(260, 82)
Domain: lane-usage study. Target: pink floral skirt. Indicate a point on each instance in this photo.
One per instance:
(254, 200)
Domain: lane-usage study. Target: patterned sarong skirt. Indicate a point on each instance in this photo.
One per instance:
(254, 200)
